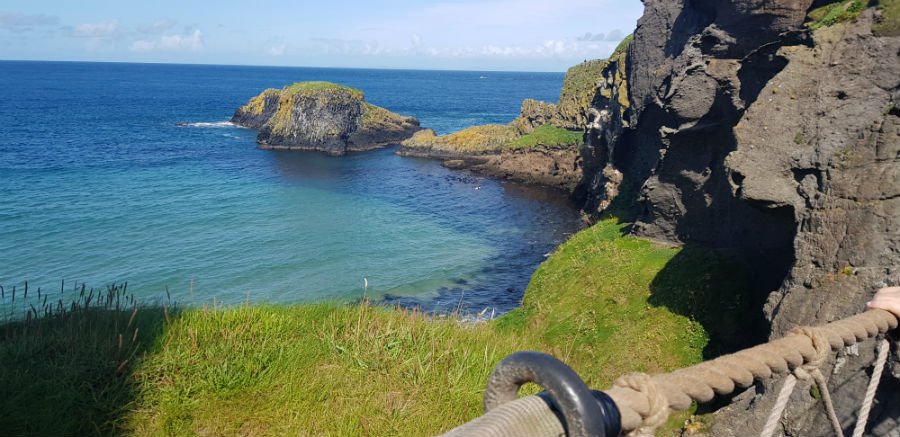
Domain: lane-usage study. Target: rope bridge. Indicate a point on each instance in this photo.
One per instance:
(638, 403)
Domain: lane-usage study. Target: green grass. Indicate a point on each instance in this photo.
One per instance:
(548, 135)
(317, 86)
(623, 45)
(890, 18)
(376, 117)
(604, 302)
(834, 13)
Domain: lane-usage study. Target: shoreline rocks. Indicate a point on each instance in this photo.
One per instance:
(557, 167)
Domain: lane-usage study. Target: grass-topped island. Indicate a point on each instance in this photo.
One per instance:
(322, 116)
(604, 302)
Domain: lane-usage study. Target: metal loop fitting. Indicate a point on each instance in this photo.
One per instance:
(585, 413)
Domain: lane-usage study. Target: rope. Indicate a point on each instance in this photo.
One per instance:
(639, 406)
(657, 406)
(863, 417)
(811, 369)
(528, 416)
(829, 405)
(780, 404)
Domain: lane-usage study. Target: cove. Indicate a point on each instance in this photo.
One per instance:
(101, 185)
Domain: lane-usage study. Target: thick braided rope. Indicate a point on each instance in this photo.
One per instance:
(657, 404)
(527, 416)
(724, 374)
(863, 417)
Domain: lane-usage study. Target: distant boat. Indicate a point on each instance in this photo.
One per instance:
(483, 77)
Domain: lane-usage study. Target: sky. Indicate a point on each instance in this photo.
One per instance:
(516, 35)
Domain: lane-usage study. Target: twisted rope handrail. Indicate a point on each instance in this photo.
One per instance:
(645, 402)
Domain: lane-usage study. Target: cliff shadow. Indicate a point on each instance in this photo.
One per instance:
(66, 368)
(712, 288)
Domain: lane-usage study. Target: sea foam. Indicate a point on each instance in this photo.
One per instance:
(212, 124)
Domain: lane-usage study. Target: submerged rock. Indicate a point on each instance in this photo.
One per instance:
(322, 116)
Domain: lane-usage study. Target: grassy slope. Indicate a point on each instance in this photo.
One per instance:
(495, 137)
(315, 87)
(604, 302)
(548, 135)
(578, 90)
(890, 18)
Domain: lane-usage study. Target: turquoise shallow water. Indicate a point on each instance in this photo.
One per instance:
(99, 185)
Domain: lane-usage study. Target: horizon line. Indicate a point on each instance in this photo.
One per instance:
(279, 66)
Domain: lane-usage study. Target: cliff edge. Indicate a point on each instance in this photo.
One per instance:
(322, 116)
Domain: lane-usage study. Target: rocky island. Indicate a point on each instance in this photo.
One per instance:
(322, 116)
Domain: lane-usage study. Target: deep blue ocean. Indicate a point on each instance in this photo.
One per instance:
(98, 185)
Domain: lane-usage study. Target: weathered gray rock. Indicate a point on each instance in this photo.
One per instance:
(744, 132)
(324, 117)
(534, 113)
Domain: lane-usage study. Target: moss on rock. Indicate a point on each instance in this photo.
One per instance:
(317, 87)
(834, 13)
(579, 88)
(476, 139)
(889, 22)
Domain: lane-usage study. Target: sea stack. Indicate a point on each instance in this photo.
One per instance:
(322, 116)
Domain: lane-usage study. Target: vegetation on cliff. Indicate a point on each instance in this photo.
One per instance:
(577, 94)
(316, 88)
(603, 302)
(493, 137)
(889, 24)
(834, 13)
(542, 123)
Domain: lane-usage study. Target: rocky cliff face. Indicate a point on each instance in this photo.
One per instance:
(324, 117)
(743, 131)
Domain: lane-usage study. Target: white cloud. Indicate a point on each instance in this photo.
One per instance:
(548, 49)
(592, 37)
(25, 22)
(615, 35)
(276, 50)
(158, 26)
(142, 46)
(480, 30)
(97, 30)
(192, 40)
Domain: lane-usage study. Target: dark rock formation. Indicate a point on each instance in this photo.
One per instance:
(742, 131)
(324, 117)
